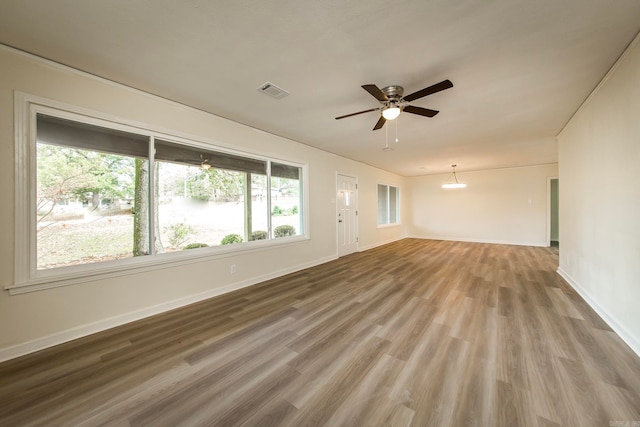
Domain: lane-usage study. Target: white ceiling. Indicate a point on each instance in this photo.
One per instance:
(520, 68)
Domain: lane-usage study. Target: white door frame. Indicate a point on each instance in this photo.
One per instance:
(357, 225)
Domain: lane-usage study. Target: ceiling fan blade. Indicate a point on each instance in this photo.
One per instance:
(376, 92)
(445, 84)
(420, 111)
(380, 123)
(355, 114)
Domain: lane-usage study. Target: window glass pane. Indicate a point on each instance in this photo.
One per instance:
(383, 217)
(259, 208)
(286, 200)
(393, 205)
(199, 206)
(85, 202)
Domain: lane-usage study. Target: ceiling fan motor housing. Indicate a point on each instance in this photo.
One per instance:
(394, 93)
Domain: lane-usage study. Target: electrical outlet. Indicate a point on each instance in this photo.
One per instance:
(233, 269)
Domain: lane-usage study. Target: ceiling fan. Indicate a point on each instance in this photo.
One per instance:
(393, 102)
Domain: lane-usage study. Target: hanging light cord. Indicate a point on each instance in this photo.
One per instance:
(455, 177)
(456, 184)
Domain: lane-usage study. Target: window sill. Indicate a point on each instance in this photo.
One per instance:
(91, 272)
(395, 224)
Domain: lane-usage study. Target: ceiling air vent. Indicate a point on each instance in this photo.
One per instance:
(273, 90)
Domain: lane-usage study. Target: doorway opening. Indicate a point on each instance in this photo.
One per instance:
(553, 216)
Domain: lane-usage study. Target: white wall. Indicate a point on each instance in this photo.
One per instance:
(498, 206)
(37, 319)
(599, 155)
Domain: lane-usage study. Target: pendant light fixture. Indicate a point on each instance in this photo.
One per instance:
(453, 183)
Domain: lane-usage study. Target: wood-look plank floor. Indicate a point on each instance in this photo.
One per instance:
(414, 333)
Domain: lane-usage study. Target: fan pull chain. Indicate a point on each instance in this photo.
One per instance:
(397, 128)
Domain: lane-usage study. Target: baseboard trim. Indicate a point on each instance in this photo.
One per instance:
(112, 322)
(375, 245)
(473, 240)
(622, 332)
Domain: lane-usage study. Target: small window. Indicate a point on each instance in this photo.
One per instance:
(388, 204)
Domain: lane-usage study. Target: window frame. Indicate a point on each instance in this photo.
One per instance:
(388, 206)
(28, 278)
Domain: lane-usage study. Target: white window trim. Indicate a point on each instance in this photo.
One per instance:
(399, 213)
(26, 276)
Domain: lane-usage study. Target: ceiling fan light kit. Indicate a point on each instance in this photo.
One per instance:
(391, 113)
(393, 102)
(453, 183)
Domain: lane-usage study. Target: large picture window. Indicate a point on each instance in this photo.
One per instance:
(105, 193)
(388, 204)
(85, 188)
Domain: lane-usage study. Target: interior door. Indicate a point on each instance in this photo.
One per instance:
(347, 205)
